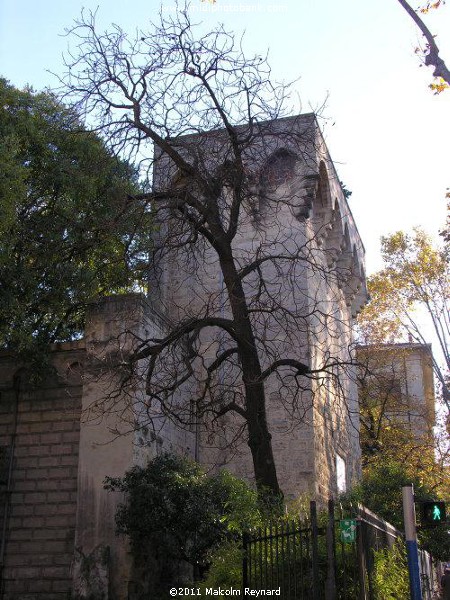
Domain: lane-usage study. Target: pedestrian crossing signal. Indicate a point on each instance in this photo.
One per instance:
(433, 513)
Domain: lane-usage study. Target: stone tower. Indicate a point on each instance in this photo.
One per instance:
(296, 219)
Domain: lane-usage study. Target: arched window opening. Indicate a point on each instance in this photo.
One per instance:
(323, 189)
(322, 211)
(279, 169)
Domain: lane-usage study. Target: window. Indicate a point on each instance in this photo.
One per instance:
(5, 453)
(341, 475)
(279, 169)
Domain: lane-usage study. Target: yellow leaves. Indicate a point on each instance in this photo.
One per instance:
(412, 256)
(439, 85)
(394, 243)
(416, 274)
(430, 6)
(378, 321)
(417, 455)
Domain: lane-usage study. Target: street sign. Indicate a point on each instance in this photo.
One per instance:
(348, 530)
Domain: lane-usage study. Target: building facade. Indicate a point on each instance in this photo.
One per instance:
(396, 389)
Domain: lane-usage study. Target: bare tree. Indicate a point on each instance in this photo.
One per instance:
(238, 238)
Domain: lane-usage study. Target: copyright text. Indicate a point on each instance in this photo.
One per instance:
(185, 591)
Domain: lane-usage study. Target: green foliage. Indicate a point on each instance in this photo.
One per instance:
(347, 193)
(416, 275)
(173, 506)
(69, 231)
(225, 569)
(390, 576)
(381, 491)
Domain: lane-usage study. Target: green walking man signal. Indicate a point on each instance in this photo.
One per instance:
(433, 513)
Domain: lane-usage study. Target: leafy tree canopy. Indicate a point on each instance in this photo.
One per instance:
(416, 276)
(172, 506)
(381, 491)
(68, 230)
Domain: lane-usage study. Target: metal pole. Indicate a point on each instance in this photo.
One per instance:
(409, 516)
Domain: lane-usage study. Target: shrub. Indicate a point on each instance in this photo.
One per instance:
(381, 491)
(172, 505)
(390, 576)
(225, 570)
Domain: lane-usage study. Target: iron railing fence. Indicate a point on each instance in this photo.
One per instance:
(308, 560)
(279, 556)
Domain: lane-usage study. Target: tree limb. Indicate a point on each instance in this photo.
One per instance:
(432, 57)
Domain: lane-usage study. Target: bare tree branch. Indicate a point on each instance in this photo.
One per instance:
(432, 57)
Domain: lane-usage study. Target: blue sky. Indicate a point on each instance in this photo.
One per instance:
(387, 133)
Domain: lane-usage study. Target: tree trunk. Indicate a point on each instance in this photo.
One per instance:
(259, 437)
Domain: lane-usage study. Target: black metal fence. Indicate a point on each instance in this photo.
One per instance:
(306, 561)
(279, 556)
(312, 560)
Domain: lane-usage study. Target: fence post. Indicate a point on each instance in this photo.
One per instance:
(361, 556)
(244, 561)
(330, 592)
(315, 550)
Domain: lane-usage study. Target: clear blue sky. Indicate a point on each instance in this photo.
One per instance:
(387, 133)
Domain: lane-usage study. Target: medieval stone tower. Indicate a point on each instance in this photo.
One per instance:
(302, 266)
(296, 224)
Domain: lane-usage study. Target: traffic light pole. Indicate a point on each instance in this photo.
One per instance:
(409, 516)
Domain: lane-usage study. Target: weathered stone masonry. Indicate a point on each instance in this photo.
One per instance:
(65, 436)
(42, 426)
(302, 211)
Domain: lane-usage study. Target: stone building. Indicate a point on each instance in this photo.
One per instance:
(39, 437)
(297, 209)
(397, 381)
(60, 441)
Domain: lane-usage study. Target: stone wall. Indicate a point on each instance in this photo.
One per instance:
(42, 424)
(402, 375)
(65, 436)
